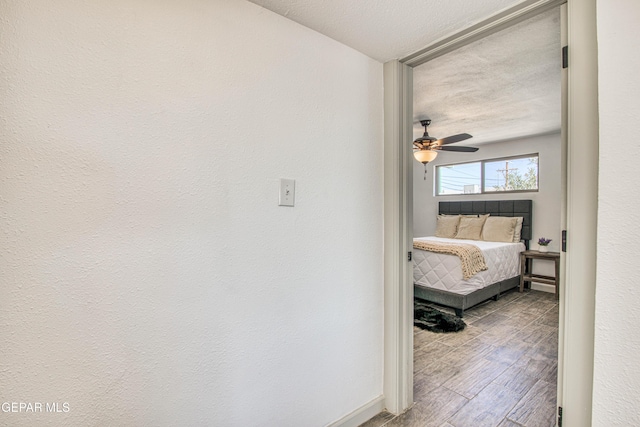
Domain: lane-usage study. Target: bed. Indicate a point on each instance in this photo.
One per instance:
(438, 277)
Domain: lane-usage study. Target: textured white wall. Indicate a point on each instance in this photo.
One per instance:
(546, 202)
(148, 276)
(616, 390)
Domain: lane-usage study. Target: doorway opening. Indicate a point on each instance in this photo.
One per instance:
(578, 284)
(505, 91)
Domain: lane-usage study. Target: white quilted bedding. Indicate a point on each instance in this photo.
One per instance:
(443, 271)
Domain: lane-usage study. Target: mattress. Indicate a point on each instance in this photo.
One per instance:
(444, 272)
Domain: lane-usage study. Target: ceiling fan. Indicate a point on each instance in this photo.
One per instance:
(425, 148)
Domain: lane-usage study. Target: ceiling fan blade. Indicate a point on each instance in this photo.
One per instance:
(456, 148)
(453, 138)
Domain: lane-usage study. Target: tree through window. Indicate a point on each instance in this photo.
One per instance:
(513, 174)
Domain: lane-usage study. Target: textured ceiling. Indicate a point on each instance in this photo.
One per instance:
(504, 86)
(383, 29)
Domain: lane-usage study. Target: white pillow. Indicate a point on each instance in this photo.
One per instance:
(518, 230)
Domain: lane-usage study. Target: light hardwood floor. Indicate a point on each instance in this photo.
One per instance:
(499, 372)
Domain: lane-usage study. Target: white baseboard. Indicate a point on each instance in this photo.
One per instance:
(361, 414)
(543, 287)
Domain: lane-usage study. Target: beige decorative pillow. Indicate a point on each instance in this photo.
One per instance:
(518, 230)
(471, 228)
(447, 226)
(499, 229)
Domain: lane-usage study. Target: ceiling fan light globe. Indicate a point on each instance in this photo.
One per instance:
(425, 156)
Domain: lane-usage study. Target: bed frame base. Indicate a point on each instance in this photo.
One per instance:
(461, 302)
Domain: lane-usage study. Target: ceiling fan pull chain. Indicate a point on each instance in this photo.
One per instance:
(425, 171)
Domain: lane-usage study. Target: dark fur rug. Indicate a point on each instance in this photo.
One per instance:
(427, 317)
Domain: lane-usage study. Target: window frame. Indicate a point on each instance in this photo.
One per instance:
(482, 163)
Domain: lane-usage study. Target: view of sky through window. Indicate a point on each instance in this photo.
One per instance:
(463, 178)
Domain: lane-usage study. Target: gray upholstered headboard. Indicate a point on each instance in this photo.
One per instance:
(523, 208)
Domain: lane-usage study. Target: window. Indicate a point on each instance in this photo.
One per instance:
(463, 178)
(510, 174)
(513, 174)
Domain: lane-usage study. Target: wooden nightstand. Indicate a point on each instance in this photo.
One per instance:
(526, 269)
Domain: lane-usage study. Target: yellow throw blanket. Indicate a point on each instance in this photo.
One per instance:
(470, 256)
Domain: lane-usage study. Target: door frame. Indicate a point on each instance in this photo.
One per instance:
(576, 335)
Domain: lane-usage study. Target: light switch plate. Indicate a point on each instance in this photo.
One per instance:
(287, 192)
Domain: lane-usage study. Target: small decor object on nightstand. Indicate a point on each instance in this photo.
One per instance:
(543, 242)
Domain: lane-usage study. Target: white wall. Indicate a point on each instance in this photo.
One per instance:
(148, 275)
(546, 201)
(616, 389)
